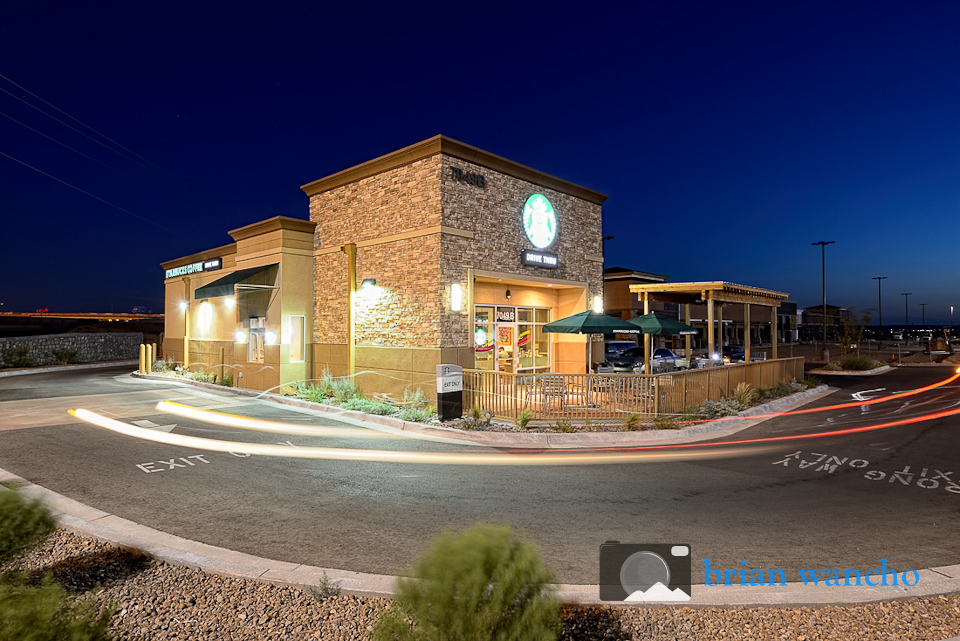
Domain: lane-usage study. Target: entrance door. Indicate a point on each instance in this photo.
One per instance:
(506, 347)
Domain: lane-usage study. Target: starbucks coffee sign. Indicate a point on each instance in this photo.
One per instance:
(539, 221)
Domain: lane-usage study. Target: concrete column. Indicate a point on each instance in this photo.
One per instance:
(687, 339)
(350, 249)
(647, 338)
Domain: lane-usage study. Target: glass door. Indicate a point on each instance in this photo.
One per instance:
(505, 347)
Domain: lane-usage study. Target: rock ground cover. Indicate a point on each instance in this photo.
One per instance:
(154, 600)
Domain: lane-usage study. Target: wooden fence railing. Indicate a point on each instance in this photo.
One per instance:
(613, 397)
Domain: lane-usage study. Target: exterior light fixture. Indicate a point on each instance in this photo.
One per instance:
(456, 297)
(368, 282)
(240, 336)
(270, 338)
(598, 304)
(183, 305)
(508, 294)
(229, 301)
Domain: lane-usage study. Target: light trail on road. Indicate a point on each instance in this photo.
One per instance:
(393, 456)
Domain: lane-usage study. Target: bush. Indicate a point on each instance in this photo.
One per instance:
(46, 613)
(416, 408)
(744, 394)
(226, 380)
(343, 389)
(482, 583)
(325, 588)
(859, 363)
(66, 355)
(632, 423)
(22, 524)
(717, 409)
(832, 367)
(665, 423)
(19, 357)
(369, 407)
(164, 365)
(202, 377)
(563, 425)
(524, 418)
(810, 382)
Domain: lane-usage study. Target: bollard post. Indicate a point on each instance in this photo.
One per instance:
(220, 377)
(143, 354)
(149, 363)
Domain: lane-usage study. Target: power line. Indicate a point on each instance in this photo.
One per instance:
(87, 193)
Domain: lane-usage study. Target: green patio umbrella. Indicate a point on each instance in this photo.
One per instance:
(654, 323)
(590, 322)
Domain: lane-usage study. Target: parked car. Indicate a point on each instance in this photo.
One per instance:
(612, 349)
(733, 354)
(631, 360)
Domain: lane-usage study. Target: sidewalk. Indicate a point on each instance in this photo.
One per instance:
(122, 533)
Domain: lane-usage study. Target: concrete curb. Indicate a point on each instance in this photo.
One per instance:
(847, 372)
(124, 534)
(534, 440)
(64, 368)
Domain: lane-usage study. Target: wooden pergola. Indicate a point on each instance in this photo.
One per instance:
(710, 293)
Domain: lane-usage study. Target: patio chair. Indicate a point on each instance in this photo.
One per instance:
(551, 387)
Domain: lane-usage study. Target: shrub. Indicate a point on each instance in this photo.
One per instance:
(66, 355)
(632, 423)
(795, 386)
(22, 524)
(226, 380)
(524, 418)
(46, 613)
(164, 365)
(368, 406)
(477, 418)
(810, 382)
(717, 409)
(482, 583)
(832, 367)
(203, 377)
(563, 425)
(20, 357)
(325, 588)
(417, 415)
(780, 389)
(665, 423)
(344, 389)
(744, 394)
(859, 363)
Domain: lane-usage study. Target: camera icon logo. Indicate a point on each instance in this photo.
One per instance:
(644, 572)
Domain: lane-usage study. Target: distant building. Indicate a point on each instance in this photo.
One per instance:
(812, 322)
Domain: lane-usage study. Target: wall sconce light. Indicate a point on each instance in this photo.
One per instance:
(508, 294)
(229, 301)
(368, 282)
(183, 305)
(270, 338)
(598, 304)
(240, 336)
(456, 297)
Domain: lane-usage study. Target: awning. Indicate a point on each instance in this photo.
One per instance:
(224, 286)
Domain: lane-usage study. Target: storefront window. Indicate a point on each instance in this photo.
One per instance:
(511, 339)
(257, 327)
(483, 339)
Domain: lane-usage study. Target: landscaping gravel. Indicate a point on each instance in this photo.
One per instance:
(154, 600)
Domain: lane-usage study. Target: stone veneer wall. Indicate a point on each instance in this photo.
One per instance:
(390, 203)
(493, 215)
(89, 348)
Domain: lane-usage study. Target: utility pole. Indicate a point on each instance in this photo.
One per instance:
(906, 312)
(880, 302)
(825, 354)
(923, 312)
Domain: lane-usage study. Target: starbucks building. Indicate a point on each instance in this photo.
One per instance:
(437, 253)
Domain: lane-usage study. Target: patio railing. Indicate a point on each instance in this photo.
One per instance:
(613, 397)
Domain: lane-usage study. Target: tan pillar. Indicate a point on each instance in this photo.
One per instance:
(350, 249)
(773, 332)
(143, 359)
(148, 361)
(746, 332)
(687, 338)
(647, 338)
(711, 336)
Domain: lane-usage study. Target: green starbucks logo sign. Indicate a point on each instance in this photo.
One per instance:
(539, 221)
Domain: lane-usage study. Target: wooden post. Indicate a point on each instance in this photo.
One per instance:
(746, 332)
(773, 332)
(687, 338)
(711, 340)
(646, 337)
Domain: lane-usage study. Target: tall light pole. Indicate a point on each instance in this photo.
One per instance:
(923, 315)
(951, 320)
(906, 312)
(825, 355)
(880, 302)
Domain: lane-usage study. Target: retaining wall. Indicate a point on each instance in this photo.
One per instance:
(86, 348)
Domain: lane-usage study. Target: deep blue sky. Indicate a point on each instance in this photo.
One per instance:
(728, 135)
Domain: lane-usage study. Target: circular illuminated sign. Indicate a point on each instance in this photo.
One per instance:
(480, 337)
(539, 221)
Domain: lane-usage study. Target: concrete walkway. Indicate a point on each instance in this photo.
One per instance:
(122, 533)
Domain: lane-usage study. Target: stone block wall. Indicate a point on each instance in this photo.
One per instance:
(89, 348)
